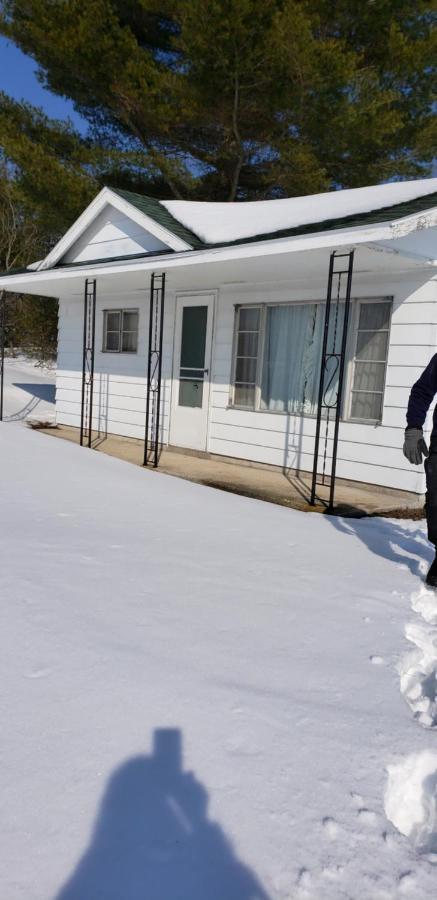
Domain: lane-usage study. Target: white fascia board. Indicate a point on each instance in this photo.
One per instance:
(330, 240)
(106, 196)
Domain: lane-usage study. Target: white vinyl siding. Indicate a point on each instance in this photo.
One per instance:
(120, 382)
(368, 452)
(112, 234)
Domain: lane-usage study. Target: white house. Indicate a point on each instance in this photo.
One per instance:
(246, 287)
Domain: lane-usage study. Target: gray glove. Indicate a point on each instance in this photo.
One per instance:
(415, 446)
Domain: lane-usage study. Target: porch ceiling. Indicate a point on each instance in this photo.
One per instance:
(211, 269)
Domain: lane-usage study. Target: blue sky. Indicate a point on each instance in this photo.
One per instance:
(18, 79)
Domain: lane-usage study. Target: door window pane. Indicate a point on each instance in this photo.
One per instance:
(190, 392)
(193, 340)
(192, 365)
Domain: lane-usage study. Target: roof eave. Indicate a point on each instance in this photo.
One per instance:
(366, 234)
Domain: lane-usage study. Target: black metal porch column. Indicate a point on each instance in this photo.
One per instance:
(332, 368)
(2, 348)
(154, 369)
(89, 339)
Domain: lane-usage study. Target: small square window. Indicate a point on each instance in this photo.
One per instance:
(120, 330)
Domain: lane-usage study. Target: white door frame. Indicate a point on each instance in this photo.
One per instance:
(197, 295)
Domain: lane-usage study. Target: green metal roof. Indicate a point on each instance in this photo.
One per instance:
(156, 211)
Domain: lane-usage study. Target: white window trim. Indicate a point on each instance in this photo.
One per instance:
(351, 347)
(121, 310)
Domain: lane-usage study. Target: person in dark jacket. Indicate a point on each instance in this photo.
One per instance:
(421, 396)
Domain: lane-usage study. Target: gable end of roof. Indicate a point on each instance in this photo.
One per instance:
(155, 210)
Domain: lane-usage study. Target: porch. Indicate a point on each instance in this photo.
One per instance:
(262, 482)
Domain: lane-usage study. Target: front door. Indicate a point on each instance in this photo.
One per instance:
(191, 374)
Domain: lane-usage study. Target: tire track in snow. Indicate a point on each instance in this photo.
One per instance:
(410, 800)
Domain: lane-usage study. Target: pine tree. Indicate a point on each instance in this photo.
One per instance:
(237, 99)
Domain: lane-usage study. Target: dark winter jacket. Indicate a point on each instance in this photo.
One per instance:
(421, 396)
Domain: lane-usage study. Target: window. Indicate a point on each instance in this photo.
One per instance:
(370, 360)
(246, 357)
(278, 350)
(120, 330)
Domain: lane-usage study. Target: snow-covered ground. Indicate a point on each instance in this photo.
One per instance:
(29, 390)
(203, 695)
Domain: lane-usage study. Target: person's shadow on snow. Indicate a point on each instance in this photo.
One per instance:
(388, 539)
(153, 841)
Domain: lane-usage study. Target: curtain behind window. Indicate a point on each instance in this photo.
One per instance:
(292, 356)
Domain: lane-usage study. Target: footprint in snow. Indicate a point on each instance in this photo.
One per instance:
(407, 883)
(331, 828)
(332, 873)
(38, 673)
(304, 879)
(377, 660)
(367, 817)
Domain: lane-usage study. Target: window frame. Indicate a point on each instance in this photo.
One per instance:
(261, 334)
(121, 311)
(351, 349)
(354, 332)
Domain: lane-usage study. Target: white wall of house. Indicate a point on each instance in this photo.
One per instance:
(367, 452)
(120, 378)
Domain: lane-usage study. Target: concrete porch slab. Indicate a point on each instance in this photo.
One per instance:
(260, 482)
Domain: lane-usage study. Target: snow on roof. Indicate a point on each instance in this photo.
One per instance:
(217, 222)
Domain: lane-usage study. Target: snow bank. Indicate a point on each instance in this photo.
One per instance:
(216, 222)
(411, 799)
(418, 673)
